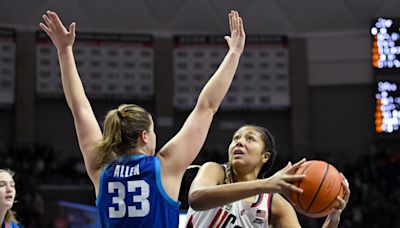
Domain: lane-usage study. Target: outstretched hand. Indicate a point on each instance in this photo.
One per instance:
(281, 181)
(61, 37)
(238, 36)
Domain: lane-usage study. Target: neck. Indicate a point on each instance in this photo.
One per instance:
(136, 151)
(2, 215)
(239, 176)
(245, 173)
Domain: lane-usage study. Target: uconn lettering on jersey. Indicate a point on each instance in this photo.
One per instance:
(224, 218)
(126, 171)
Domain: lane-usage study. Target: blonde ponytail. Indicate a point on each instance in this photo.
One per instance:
(111, 138)
(122, 128)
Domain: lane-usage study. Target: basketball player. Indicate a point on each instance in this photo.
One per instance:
(7, 196)
(236, 195)
(134, 188)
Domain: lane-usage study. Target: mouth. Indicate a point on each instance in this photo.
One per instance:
(237, 153)
(10, 198)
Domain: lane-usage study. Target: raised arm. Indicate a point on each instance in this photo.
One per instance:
(86, 125)
(182, 149)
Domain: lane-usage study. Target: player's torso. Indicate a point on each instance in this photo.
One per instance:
(237, 214)
(131, 194)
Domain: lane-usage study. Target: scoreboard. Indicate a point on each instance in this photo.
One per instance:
(7, 66)
(386, 44)
(385, 51)
(387, 112)
(262, 77)
(111, 66)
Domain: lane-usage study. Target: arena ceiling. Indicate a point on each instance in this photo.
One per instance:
(175, 16)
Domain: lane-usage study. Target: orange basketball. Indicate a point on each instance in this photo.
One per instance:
(321, 186)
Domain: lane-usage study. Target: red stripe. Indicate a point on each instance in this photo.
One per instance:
(259, 200)
(190, 222)
(269, 208)
(215, 218)
(223, 218)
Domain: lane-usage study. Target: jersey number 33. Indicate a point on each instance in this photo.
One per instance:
(120, 208)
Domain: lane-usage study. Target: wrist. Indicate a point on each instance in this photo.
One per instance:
(264, 186)
(64, 50)
(331, 223)
(235, 52)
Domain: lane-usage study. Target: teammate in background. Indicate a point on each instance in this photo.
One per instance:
(236, 195)
(134, 188)
(7, 197)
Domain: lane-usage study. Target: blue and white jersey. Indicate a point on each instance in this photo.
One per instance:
(131, 194)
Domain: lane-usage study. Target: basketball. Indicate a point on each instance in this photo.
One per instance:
(321, 185)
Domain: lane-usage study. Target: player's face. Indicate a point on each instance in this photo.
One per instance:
(246, 148)
(7, 190)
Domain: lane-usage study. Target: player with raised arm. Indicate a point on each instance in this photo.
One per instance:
(135, 188)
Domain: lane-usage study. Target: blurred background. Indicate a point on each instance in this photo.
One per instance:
(322, 76)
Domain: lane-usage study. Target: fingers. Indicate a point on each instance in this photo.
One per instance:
(293, 188)
(346, 188)
(241, 28)
(72, 27)
(342, 203)
(53, 23)
(291, 178)
(45, 28)
(292, 168)
(299, 163)
(227, 38)
(335, 212)
(56, 20)
(235, 20)
(230, 21)
(48, 22)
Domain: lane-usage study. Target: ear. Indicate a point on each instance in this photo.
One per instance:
(144, 138)
(265, 156)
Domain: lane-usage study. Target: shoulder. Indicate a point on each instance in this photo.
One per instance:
(212, 170)
(283, 212)
(213, 167)
(279, 204)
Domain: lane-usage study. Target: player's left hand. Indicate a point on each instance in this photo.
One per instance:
(334, 216)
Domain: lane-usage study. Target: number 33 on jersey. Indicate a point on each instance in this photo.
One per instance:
(131, 194)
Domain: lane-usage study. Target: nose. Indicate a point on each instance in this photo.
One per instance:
(239, 142)
(9, 188)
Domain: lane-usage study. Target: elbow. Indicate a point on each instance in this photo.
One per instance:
(197, 202)
(208, 106)
(82, 105)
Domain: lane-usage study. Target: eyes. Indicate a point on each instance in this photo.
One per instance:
(249, 138)
(4, 183)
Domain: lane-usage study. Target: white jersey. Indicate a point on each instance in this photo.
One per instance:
(236, 214)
